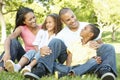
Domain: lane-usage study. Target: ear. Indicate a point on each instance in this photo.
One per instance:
(91, 34)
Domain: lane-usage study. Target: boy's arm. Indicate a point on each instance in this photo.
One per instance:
(69, 58)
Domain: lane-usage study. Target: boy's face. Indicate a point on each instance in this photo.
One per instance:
(86, 32)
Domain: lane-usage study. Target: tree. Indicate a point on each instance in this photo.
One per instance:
(107, 12)
(3, 25)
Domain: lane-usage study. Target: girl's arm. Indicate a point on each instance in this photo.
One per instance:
(15, 34)
(69, 58)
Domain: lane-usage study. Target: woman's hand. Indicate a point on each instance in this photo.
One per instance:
(5, 57)
(45, 51)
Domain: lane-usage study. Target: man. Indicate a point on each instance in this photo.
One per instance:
(106, 70)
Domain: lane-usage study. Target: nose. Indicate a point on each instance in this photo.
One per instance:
(33, 20)
(72, 20)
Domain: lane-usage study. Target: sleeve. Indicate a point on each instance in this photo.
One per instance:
(38, 38)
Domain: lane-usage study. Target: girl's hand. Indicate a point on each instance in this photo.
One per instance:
(98, 59)
(45, 51)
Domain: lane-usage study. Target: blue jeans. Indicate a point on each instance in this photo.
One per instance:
(78, 69)
(107, 53)
(16, 51)
(59, 53)
(32, 54)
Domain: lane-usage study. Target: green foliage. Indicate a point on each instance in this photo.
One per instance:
(106, 37)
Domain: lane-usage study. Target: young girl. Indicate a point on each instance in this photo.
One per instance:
(51, 27)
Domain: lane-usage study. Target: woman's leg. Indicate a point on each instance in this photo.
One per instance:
(16, 50)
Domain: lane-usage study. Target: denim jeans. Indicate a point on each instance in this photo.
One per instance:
(32, 54)
(78, 69)
(58, 53)
(16, 50)
(107, 53)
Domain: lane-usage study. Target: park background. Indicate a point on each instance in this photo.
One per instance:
(104, 13)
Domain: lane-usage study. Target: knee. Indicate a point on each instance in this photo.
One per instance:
(107, 47)
(55, 41)
(14, 41)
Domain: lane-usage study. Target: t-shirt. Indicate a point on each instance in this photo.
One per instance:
(68, 36)
(80, 53)
(28, 38)
(42, 38)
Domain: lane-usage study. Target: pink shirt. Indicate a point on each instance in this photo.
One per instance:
(28, 38)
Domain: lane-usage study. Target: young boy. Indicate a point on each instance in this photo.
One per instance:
(81, 57)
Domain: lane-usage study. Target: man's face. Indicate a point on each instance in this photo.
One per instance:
(70, 19)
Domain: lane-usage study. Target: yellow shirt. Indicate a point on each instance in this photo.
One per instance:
(80, 53)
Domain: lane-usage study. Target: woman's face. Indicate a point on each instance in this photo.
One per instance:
(50, 23)
(30, 19)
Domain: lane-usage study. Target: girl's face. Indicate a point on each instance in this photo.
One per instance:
(86, 32)
(30, 19)
(50, 23)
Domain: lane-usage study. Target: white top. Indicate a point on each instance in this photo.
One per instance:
(42, 38)
(68, 36)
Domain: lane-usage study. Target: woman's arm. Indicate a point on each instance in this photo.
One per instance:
(69, 58)
(15, 34)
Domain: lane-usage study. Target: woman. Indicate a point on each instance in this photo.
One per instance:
(26, 28)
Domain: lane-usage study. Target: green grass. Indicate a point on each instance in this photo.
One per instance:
(106, 38)
(18, 76)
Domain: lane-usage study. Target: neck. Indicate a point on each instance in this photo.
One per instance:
(85, 40)
(50, 33)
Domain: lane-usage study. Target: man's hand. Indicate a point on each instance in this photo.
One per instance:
(45, 51)
(94, 44)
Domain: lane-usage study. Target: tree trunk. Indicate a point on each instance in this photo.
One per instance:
(113, 33)
(2, 23)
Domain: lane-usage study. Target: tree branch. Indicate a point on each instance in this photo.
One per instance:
(9, 11)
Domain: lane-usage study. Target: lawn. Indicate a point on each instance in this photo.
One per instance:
(106, 38)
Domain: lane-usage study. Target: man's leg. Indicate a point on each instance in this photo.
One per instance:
(58, 48)
(108, 65)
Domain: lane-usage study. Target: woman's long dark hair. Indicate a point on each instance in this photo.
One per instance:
(20, 16)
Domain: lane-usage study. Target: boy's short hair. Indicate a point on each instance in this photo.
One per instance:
(95, 30)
